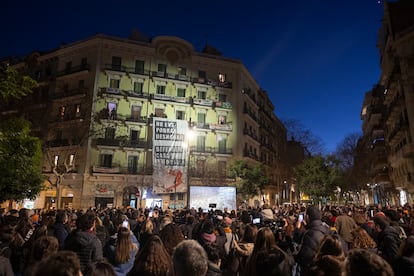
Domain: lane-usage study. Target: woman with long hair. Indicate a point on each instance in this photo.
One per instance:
(171, 235)
(329, 257)
(265, 245)
(152, 260)
(122, 254)
(362, 240)
(244, 247)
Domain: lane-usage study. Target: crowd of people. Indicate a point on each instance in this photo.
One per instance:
(287, 240)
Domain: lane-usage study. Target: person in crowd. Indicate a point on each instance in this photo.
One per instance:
(388, 238)
(344, 224)
(188, 227)
(329, 257)
(214, 260)
(99, 268)
(43, 247)
(311, 238)
(171, 235)
(361, 239)
(138, 226)
(267, 213)
(189, 259)
(62, 263)
(404, 262)
(362, 262)
(100, 231)
(5, 267)
(147, 231)
(121, 251)
(83, 240)
(244, 247)
(361, 219)
(153, 259)
(60, 228)
(265, 243)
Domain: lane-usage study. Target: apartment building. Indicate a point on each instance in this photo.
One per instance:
(106, 106)
(392, 105)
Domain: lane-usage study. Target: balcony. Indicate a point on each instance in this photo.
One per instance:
(141, 143)
(70, 94)
(106, 169)
(140, 95)
(211, 150)
(168, 98)
(117, 169)
(108, 142)
(250, 154)
(221, 127)
(136, 120)
(224, 105)
(81, 69)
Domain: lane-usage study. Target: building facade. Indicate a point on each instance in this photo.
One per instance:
(95, 109)
(388, 110)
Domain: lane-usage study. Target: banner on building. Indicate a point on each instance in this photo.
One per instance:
(169, 155)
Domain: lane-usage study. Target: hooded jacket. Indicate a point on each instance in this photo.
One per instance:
(86, 245)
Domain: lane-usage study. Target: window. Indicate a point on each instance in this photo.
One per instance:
(110, 133)
(84, 63)
(201, 143)
(134, 136)
(222, 77)
(159, 112)
(180, 92)
(81, 84)
(222, 168)
(138, 87)
(114, 83)
(133, 164)
(139, 67)
(162, 68)
(172, 196)
(180, 196)
(135, 112)
(180, 115)
(55, 160)
(202, 74)
(62, 112)
(116, 63)
(182, 71)
(78, 110)
(201, 95)
(112, 111)
(222, 98)
(68, 67)
(106, 160)
(160, 89)
(222, 145)
(201, 119)
(71, 159)
(222, 119)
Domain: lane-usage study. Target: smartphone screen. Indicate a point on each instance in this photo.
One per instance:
(256, 220)
(300, 217)
(125, 224)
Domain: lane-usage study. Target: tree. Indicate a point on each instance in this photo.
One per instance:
(346, 152)
(250, 179)
(14, 85)
(297, 131)
(20, 161)
(318, 176)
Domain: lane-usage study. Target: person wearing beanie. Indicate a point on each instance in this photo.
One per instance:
(311, 238)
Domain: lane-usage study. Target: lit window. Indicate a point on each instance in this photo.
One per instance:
(114, 83)
(62, 111)
(222, 77)
(71, 159)
(56, 160)
(78, 110)
(182, 71)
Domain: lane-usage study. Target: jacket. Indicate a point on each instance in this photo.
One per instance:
(310, 242)
(86, 245)
(389, 243)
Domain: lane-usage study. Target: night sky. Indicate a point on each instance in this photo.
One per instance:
(315, 58)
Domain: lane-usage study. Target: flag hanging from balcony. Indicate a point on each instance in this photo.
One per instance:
(169, 155)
